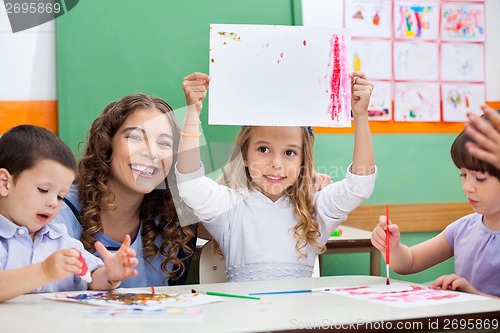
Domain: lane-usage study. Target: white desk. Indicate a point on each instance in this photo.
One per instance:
(290, 312)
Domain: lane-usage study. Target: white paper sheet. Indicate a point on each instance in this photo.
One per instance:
(372, 58)
(369, 18)
(416, 20)
(460, 99)
(416, 61)
(416, 102)
(279, 76)
(462, 62)
(403, 295)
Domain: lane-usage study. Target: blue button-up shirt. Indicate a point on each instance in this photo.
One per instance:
(17, 250)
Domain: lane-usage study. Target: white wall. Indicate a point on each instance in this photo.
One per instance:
(27, 62)
(330, 13)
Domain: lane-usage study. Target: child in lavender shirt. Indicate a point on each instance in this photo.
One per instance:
(474, 240)
(36, 172)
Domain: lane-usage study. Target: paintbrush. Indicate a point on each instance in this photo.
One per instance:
(387, 246)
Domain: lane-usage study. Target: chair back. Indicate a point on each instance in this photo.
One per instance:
(212, 266)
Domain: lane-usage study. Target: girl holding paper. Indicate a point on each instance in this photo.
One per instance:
(264, 213)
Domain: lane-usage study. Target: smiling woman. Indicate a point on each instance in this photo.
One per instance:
(126, 185)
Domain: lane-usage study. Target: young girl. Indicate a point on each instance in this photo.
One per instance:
(34, 253)
(474, 239)
(265, 216)
(122, 189)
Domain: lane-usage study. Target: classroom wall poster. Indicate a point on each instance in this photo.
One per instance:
(462, 62)
(416, 61)
(416, 102)
(369, 18)
(380, 108)
(416, 20)
(458, 99)
(372, 58)
(462, 22)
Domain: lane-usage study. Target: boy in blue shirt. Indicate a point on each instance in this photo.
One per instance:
(36, 172)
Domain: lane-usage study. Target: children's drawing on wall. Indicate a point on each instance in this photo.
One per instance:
(416, 102)
(462, 22)
(380, 102)
(414, 61)
(369, 18)
(460, 99)
(290, 75)
(462, 62)
(416, 20)
(403, 295)
(372, 58)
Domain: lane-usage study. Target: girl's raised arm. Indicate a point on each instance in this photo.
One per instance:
(195, 88)
(363, 161)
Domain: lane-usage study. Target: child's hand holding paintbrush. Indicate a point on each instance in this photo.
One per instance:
(386, 238)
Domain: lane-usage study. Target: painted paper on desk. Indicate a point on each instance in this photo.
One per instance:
(403, 295)
(168, 314)
(133, 300)
(279, 76)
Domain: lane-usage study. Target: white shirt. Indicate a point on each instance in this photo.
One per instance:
(256, 234)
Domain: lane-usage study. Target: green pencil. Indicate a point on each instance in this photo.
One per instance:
(231, 295)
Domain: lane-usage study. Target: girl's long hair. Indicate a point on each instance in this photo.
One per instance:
(236, 176)
(95, 197)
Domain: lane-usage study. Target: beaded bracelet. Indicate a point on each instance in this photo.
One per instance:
(193, 134)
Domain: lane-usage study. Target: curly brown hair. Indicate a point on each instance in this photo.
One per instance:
(301, 193)
(95, 171)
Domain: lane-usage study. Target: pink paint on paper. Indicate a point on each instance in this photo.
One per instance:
(339, 85)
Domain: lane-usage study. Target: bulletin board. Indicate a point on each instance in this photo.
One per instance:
(425, 58)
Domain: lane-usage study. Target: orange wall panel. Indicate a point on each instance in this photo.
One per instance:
(40, 113)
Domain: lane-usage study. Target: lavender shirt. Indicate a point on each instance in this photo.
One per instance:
(476, 249)
(18, 250)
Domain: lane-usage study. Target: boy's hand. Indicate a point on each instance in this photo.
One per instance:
(119, 265)
(361, 92)
(378, 235)
(195, 88)
(61, 264)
